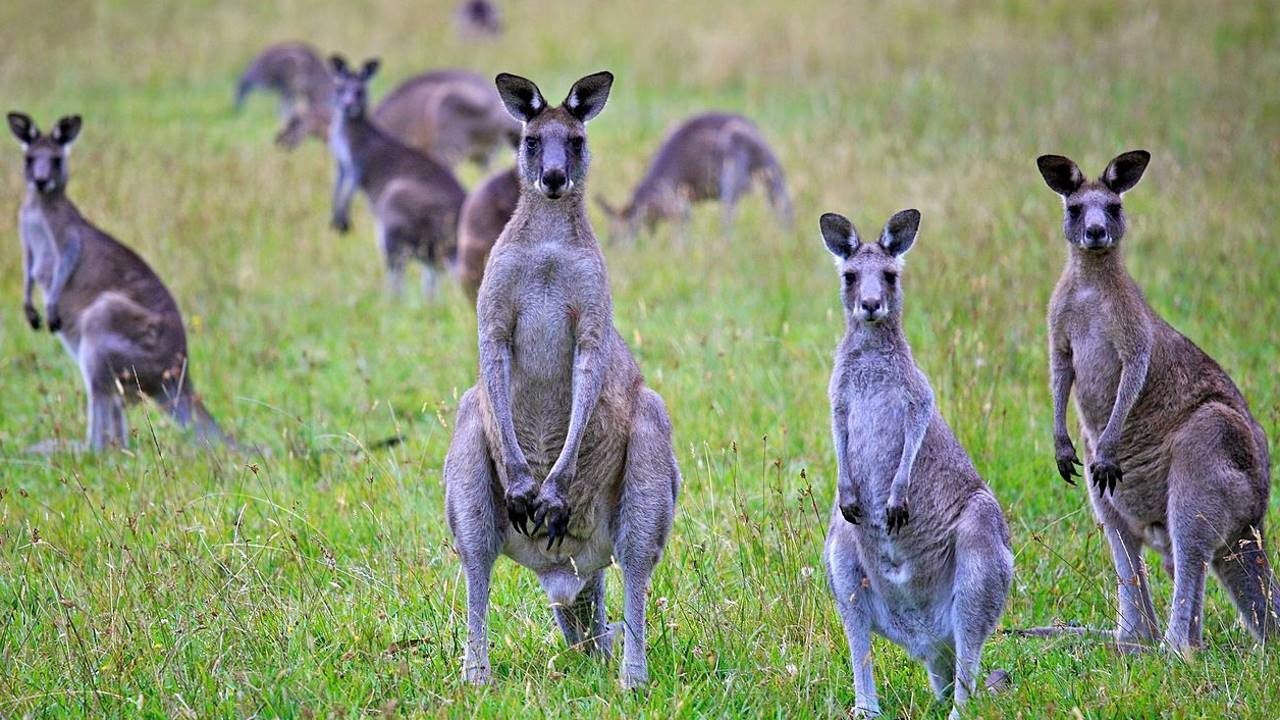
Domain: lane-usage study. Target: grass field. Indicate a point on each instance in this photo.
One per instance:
(319, 580)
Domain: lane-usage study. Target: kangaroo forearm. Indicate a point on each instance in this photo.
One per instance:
(1133, 376)
(840, 437)
(1062, 382)
(495, 370)
(912, 438)
(66, 264)
(588, 378)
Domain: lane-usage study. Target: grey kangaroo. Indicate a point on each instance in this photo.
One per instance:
(114, 316)
(415, 200)
(714, 156)
(478, 18)
(485, 213)
(917, 549)
(451, 115)
(1174, 458)
(294, 72)
(561, 458)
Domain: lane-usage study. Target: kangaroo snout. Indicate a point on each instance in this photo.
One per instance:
(1095, 236)
(554, 183)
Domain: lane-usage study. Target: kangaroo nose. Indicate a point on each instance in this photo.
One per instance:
(1095, 232)
(553, 181)
(870, 307)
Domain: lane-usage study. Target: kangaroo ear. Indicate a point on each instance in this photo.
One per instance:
(1126, 170)
(65, 130)
(899, 233)
(839, 234)
(523, 99)
(23, 127)
(370, 67)
(587, 97)
(1060, 173)
(338, 64)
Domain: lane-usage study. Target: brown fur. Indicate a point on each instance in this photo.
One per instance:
(451, 115)
(485, 214)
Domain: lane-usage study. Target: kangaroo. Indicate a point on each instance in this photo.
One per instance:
(714, 156)
(917, 549)
(451, 115)
(479, 18)
(115, 317)
(296, 73)
(561, 458)
(414, 199)
(1174, 458)
(484, 214)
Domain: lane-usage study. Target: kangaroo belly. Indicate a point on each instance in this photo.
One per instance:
(542, 382)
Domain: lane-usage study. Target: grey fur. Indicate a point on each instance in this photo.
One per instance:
(561, 458)
(478, 19)
(294, 72)
(917, 549)
(451, 115)
(713, 156)
(415, 200)
(113, 315)
(1175, 459)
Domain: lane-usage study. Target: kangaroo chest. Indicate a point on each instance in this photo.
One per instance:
(1094, 357)
(876, 416)
(38, 240)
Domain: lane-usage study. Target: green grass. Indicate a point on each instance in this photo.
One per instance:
(169, 582)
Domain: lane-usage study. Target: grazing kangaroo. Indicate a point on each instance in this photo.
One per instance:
(479, 18)
(714, 156)
(1174, 458)
(115, 317)
(917, 549)
(561, 457)
(485, 213)
(415, 200)
(451, 115)
(296, 73)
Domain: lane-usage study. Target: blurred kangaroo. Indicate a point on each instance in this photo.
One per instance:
(479, 18)
(561, 458)
(917, 549)
(714, 156)
(115, 317)
(1174, 458)
(485, 213)
(451, 115)
(295, 72)
(414, 199)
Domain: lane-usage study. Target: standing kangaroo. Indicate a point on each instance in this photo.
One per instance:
(451, 115)
(485, 213)
(917, 549)
(415, 200)
(714, 156)
(561, 457)
(115, 317)
(293, 71)
(1166, 432)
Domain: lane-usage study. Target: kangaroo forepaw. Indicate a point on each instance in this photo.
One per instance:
(1106, 475)
(1068, 464)
(520, 506)
(553, 512)
(852, 513)
(33, 316)
(896, 517)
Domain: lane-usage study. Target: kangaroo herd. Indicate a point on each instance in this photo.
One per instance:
(562, 458)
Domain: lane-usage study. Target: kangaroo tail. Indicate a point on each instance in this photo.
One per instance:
(189, 412)
(249, 81)
(1060, 630)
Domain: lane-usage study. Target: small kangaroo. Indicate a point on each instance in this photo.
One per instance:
(485, 213)
(917, 549)
(414, 199)
(479, 18)
(714, 156)
(561, 458)
(295, 72)
(451, 115)
(115, 317)
(1174, 458)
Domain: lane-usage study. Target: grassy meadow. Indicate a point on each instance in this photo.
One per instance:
(317, 580)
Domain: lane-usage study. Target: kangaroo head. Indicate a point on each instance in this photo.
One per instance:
(350, 87)
(553, 155)
(46, 155)
(870, 270)
(1093, 217)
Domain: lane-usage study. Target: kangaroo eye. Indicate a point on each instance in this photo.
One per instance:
(576, 144)
(531, 144)
(891, 278)
(1113, 209)
(850, 279)
(1074, 211)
